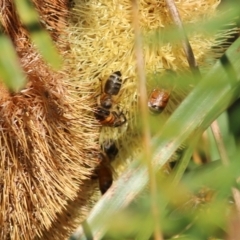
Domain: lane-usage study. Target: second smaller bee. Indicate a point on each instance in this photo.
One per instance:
(109, 147)
(104, 171)
(158, 100)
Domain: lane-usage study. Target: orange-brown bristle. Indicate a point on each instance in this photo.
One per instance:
(48, 137)
(14, 31)
(53, 15)
(45, 152)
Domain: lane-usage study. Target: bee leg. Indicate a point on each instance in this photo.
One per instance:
(120, 119)
(124, 119)
(98, 99)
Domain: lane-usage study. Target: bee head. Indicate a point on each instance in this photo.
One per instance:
(110, 148)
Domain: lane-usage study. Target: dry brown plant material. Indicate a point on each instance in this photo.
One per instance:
(52, 14)
(48, 137)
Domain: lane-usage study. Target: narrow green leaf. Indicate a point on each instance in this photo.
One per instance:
(46, 48)
(38, 35)
(10, 70)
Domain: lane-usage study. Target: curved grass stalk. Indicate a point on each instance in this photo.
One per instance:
(184, 161)
(185, 42)
(200, 108)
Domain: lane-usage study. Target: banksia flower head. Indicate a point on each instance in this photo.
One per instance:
(47, 143)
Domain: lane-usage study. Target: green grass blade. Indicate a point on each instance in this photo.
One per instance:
(10, 69)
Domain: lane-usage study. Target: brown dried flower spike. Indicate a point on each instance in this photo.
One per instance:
(46, 136)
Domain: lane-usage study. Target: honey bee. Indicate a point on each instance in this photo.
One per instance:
(112, 87)
(158, 100)
(102, 112)
(105, 171)
(109, 118)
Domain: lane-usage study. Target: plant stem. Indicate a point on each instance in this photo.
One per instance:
(193, 66)
(185, 42)
(145, 120)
